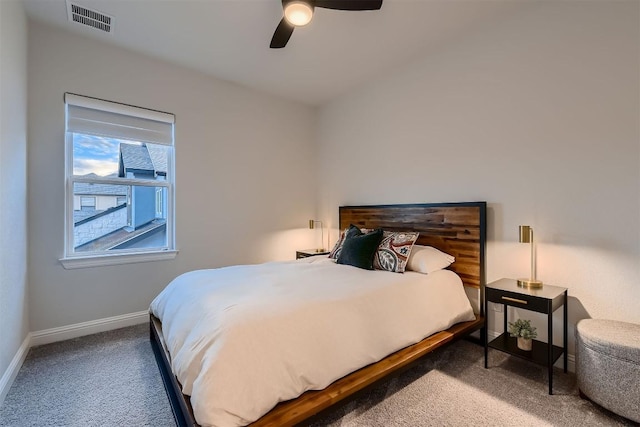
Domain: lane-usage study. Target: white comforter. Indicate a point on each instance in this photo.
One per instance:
(244, 338)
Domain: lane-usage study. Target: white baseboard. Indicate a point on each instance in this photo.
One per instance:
(493, 334)
(12, 371)
(571, 363)
(62, 333)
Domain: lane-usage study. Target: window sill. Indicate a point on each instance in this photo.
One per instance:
(73, 263)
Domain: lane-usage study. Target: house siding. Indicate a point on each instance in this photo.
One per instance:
(99, 226)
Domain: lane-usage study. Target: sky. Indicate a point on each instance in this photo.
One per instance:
(95, 154)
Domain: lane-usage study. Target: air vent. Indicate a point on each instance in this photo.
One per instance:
(90, 18)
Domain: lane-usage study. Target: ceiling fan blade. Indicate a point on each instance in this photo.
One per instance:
(349, 4)
(282, 35)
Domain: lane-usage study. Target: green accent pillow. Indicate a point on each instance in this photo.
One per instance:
(348, 232)
(358, 251)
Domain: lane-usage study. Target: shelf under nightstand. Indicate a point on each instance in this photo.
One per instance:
(538, 353)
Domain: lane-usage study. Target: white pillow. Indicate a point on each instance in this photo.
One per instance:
(427, 259)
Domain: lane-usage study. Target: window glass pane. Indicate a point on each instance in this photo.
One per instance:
(123, 217)
(111, 157)
(120, 175)
(95, 155)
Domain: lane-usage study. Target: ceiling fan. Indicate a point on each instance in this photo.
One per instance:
(298, 13)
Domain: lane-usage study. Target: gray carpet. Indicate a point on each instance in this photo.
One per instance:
(111, 379)
(451, 387)
(106, 379)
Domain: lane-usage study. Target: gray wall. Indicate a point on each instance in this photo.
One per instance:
(241, 159)
(14, 322)
(538, 114)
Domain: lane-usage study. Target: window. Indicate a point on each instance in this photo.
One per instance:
(87, 203)
(119, 183)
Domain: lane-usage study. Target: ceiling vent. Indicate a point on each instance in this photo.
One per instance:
(89, 17)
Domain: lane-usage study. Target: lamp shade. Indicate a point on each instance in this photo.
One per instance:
(525, 234)
(312, 225)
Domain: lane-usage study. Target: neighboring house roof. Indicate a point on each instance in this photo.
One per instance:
(85, 189)
(142, 158)
(158, 156)
(135, 157)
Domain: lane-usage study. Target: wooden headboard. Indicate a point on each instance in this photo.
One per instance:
(458, 229)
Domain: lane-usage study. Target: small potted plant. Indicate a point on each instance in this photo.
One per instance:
(523, 330)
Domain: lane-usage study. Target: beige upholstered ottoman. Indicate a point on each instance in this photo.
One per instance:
(608, 365)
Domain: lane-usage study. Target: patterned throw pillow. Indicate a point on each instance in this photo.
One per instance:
(394, 250)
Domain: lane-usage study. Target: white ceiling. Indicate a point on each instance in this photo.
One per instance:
(230, 39)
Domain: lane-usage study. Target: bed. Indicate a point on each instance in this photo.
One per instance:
(355, 363)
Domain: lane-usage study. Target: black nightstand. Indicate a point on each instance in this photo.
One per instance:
(303, 253)
(542, 300)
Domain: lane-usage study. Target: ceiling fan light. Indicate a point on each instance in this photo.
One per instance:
(298, 13)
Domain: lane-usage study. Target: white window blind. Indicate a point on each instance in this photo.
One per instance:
(99, 117)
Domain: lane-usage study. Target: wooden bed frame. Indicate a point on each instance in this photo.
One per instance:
(456, 228)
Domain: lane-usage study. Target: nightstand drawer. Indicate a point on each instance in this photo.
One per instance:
(513, 299)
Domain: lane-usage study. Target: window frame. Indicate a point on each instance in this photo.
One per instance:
(73, 259)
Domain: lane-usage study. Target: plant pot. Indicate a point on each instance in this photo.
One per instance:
(524, 344)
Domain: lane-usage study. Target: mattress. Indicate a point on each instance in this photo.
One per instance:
(244, 338)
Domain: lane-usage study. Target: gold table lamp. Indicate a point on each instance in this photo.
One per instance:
(312, 223)
(526, 236)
